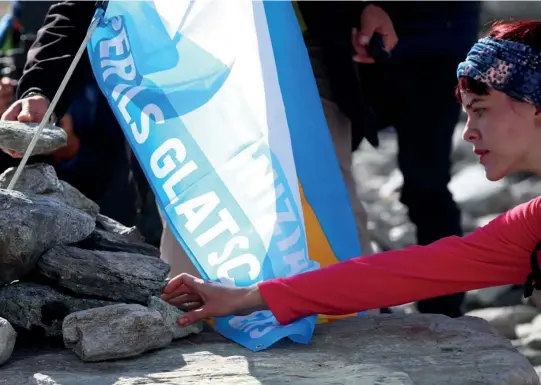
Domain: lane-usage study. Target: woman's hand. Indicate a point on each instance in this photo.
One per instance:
(203, 299)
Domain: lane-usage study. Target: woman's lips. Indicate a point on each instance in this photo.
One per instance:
(482, 154)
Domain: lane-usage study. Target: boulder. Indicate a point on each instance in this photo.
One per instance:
(16, 136)
(130, 233)
(31, 224)
(170, 315)
(108, 241)
(506, 319)
(7, 340)
(38, 178)
(113, 332)
(383, 349)
(39, 308)
(116, 276)
(41, 178)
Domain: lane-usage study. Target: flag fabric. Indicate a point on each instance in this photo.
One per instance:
(218, 101)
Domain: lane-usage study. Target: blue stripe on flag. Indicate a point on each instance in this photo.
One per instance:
(320, 175)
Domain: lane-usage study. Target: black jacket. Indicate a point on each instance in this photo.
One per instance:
(51, 54)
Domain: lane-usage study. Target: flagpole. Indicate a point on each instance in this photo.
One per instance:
(53, 103)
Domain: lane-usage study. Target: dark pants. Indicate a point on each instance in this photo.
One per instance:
(416, 97)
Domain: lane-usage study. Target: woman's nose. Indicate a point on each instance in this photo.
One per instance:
(469, 134)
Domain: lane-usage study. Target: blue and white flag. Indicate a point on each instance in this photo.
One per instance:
(219, 104)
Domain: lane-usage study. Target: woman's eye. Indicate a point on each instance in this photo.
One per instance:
(478, 111)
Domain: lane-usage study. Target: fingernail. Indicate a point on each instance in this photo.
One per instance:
(364, 40)
(183, 321)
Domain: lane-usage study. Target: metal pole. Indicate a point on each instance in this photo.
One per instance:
(53, 104)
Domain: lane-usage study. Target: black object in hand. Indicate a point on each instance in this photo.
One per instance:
(376, 48)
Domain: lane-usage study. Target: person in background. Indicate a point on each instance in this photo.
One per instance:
(328, 28)
(95, 159)
(413, 91)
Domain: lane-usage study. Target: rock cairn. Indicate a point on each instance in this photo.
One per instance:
(68, 271)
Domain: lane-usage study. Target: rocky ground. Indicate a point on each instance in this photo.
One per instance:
(480, 201)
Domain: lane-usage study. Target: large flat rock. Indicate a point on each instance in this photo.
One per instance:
(383, 349)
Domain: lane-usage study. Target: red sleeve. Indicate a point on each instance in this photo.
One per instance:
(493, 255)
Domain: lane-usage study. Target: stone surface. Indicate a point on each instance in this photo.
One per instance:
(75, 198)
(40, 308)
(130, 233)
(170, 315)
(477, 195)
(41, 178)
(8, 337)
(506, 319)
(533, 340)
(113, 332)
(38, 178)
(117, 276)
(402, 350)
(32, 224)
(16, 136)
(108, 241)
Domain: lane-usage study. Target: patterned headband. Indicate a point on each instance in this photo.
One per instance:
(510, 67)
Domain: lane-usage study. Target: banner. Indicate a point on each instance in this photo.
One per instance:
(219, 104)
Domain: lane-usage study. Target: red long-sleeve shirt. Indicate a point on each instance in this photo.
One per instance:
(493, 255)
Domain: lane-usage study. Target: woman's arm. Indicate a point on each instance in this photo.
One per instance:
(496, 254)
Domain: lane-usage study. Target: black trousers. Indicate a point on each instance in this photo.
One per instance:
(416, 96)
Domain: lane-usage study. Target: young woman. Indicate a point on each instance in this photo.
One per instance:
(500, 89)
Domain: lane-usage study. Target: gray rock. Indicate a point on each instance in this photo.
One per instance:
(536, 323)
(170, 315)
(532, 355)
(415, 349)
(32, 306)
(41, 178)
(524, 330)
(16, 136)
(113, 332)
(75, 198)
(506, 319)
(117, 276)
(8, 337)
(130, 233)
(38, 178)
(477, 195)
(108, 241)
(31, 224)
(533, 341)
(487, 297)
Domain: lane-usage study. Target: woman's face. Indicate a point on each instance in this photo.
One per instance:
(505, 133)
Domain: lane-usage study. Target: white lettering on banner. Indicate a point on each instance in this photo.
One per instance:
(125, 68)
(205, 217)
(168, 164)
(296, 261)
(257, 323)
(253, 168)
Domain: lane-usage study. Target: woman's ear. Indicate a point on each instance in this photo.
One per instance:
(537, 117)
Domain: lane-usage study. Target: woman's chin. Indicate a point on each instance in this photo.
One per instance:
(494, 174)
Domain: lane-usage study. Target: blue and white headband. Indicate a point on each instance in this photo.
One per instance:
(507, 66)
